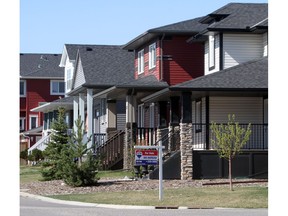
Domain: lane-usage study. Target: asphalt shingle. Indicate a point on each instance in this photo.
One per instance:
(40, 66)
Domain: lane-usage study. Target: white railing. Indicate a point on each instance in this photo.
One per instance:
(41, 144)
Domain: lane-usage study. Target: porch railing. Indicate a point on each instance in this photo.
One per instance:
(41, 144)
(202, 135)
(109, 151)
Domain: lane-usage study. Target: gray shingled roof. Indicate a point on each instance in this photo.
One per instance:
(192, 26)
(40, 66)
(249, 75)
(238, 16)
(106, 65)
(149, 81)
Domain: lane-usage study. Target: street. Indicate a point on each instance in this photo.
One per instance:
(32, 206)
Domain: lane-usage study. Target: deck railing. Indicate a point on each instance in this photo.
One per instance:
(109, 151)
(202, 135)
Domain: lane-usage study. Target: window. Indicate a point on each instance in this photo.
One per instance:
(141, 61)
(57, 87)
(22, 124)
(198, 116)
(211, 52)
(33, 121)
(69, 77)
(152, 55)
(22, 88)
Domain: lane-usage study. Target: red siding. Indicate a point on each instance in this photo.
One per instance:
(182, 61)
(37, 90)
(186, 62)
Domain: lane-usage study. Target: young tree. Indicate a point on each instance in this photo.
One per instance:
(52, 169)
(229, 139)
(80, 165)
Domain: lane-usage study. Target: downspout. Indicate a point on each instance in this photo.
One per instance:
(161, 59)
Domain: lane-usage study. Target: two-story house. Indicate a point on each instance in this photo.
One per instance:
(162, 57)
(41, 80)
(235, 82)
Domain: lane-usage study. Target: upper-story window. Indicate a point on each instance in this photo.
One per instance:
(152, 55)
(69, 77)
(211, 55)
(57, 87)
(141, 61)
(22, 88)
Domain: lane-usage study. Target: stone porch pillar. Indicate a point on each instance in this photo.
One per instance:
(186, 137)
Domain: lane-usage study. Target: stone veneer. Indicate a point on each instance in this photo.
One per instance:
(186, 151)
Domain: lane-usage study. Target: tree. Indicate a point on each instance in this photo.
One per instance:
(229, 139)
(51, 168)
(80, 165)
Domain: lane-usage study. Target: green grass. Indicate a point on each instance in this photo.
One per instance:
(206, 197)
(209, 197)
(32, 173)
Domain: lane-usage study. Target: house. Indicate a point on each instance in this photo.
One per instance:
(162, 57)
(235, 82)
(41, 81)
(90, 69)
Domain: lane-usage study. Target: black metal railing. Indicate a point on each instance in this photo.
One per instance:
(202, 135)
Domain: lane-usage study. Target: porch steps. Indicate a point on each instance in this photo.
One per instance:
(171, 167)
(110, 153)
(41, 144)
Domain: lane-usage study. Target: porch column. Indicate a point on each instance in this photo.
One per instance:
(82, 109)
(75, 111)
(129, 131)
(112, 117)
(186, 137)
(90, 116)
(174, 110)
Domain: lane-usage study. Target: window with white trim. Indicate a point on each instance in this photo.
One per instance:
(57, 87)
(69, 76)
(152, 55)
(211, 54)
(33, 121)
(22, 88)
(22, 123)
(141, 61)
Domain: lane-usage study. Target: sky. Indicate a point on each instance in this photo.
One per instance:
(45, 26)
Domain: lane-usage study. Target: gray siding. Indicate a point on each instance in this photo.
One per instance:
(79, 76)
(246, 109)
(240, 48)
(121, 121)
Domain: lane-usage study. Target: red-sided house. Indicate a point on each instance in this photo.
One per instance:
(162, 57)
(41, 80)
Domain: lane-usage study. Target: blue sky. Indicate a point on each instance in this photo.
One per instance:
(45, 26)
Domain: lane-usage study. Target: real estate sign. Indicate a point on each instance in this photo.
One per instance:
(146, 157)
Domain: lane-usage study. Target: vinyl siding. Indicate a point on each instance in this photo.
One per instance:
(121, 121)
(240, 48)
(217, 56)
(246, 109)
(79, 77)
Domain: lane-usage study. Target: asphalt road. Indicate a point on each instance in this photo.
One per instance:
(35, 206)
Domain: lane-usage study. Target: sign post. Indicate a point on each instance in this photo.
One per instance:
(149, 157)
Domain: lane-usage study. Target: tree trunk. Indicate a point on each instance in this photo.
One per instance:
(230, 173)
